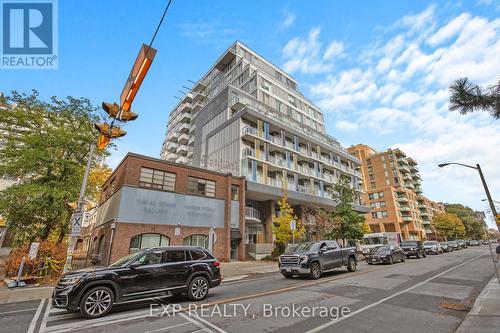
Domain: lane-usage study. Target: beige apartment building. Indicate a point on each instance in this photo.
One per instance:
(393, 191)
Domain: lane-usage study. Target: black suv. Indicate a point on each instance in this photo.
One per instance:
(153, 272)
(413, 248)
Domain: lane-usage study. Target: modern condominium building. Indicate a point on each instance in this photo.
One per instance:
(394, 192)
(247, 117)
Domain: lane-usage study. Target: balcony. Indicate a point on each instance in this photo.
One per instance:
(274, 182)
(276, 139)
(185, 117)
(198, 97)
(172, 157)
(197, 107)
(182, 160)
(237, 105)
(184, 128)
(182, 150)
(407, 218)
(173, 136)
(402, 199)
(172, 147)
(278, 161)
(249, 130)
(252, 215)
(183, 139)
(188, 97)
(248, 152)
(404, 208)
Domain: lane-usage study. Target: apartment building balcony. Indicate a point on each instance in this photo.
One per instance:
(182, 150)
(172, 147)
(172, 157)
(291, 186)
(278, 161)
(305, 170)
(185, 107)
(409, 185)
(426, 222)
(192, 128)
(190, 154)
(182, 160)
(184, 128)
(304, 189)
(185, 117)
(402, 199)
(414, 168)
(183, 139)
(424, 214)
(248, 152)
(237, 105)
(188, 97)
(407, 218)
(252, 215)
(173, 136)
(404, 208)
(249, 130)
(403, 168)
(329, 178)
(418, 189)
(197, 107)
(274, 182)
(303, 150)
(198, 97)
(191, 140)
(276, 139)
(416, 176)
(402, 160)
(428, 231)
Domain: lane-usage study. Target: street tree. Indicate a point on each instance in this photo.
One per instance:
(467, 97)
(474, 226)
(45, 145)
(321, 221)
(347, 223)
(282, 226)
(449, 226)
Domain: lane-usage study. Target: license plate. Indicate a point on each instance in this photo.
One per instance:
(288, 270)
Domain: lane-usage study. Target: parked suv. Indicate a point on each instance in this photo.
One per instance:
(312, 259)
(158, 271)
(432, 247)
(413, 248)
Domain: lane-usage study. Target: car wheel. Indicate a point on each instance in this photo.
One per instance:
(287, 275)
(424, 255)
(351, 265)
(198, 288)
(407, 256)
(315, 271)
(370, 263)
(96, 302)
(419, 255)
(391, 260)
(403, 258)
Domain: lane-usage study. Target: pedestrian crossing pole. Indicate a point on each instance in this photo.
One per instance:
(77, 217)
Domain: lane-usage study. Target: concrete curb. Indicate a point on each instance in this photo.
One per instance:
(24, 294)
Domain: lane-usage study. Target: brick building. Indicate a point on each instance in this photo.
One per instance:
(149, 202)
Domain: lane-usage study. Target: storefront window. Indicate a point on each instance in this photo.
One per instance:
(196, 240)
(144, 241)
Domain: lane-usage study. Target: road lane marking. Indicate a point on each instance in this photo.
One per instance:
(206, 322)
(330, 323)
(45, 316)
(32, 326)
(168, 327)
(16, 311)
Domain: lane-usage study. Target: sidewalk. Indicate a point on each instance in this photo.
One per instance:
(231, 271)
(485, 315)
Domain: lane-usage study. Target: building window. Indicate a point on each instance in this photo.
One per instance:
(372, 185)
(379, 215)
(235, 192)
(201, 186)
(378, 204)
(292, 100)
(144, 241)
(376, 195)
(265, 85)
(196, 240)
(387, 182)
(159, 180)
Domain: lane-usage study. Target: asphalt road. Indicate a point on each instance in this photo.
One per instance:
(420, 295)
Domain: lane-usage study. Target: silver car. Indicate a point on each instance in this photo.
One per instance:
(432, 247)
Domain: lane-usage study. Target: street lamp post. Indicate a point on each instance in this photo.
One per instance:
(490, 201)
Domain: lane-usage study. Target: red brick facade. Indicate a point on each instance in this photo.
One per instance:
(128, 173)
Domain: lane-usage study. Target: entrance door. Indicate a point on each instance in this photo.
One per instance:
(234, 248)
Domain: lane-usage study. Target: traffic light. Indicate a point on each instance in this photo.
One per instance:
(113, 110)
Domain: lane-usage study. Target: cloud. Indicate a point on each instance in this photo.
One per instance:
(288, 20)
(399, 92)
(346, 126)
(307, 55)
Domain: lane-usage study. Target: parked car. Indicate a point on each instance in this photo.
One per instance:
(462, 243)
(153, 272)
(446, 247)
(432, 247)
(314, 258)
(385, 254)
(474, 242)
(485, 242)
(413, 248)
(454, 245)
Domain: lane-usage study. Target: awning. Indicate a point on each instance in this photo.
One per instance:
(235, 234)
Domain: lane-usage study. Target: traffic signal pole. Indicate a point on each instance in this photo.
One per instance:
(79, 210)
(488, 196)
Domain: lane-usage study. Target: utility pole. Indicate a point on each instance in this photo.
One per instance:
(488, 196)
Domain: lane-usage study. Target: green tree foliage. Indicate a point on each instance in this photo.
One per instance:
(282, 226)
(449, 226)
(474, 227)
(45, 145)
(467, 97)
(347, 224)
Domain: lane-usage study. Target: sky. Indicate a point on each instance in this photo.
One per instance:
(379, 70)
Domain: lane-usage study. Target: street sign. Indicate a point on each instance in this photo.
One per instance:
(76, 219)
(33, 250)
(293, 225)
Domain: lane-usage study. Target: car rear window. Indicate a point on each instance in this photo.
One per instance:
(409, 243)
(197, 254)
